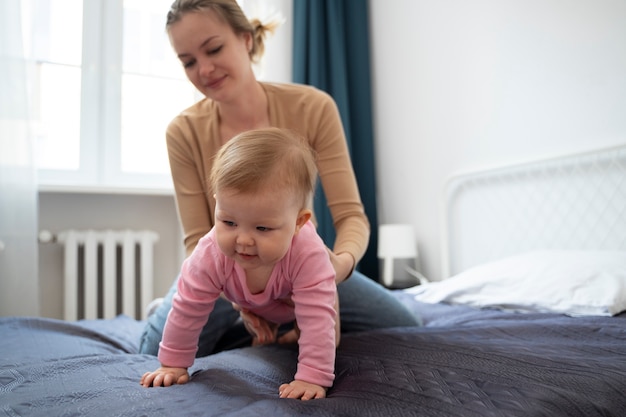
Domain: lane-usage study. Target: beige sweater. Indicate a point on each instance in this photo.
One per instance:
(193, 139)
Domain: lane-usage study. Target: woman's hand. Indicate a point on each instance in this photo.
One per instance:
(165, 376)
(343, 263)
(302, 390)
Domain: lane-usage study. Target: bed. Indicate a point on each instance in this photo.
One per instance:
(480, 352)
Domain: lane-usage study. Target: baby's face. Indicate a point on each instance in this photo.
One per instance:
(256, 229)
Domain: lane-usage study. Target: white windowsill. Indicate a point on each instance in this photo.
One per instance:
(86, 189)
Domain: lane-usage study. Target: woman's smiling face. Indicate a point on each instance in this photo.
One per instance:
(216, 59)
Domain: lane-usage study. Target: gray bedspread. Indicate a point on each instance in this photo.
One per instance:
(463, 362)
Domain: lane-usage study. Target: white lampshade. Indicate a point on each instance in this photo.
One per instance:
(396, 242)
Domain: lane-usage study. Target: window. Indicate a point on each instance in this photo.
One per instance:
(106, 84)
(55, 47)
(150, 72)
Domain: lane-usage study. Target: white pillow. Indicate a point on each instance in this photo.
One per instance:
(576, 283)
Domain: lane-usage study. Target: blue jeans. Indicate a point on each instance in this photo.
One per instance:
(363, 303)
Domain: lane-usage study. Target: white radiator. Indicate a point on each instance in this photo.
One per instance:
(107, 273)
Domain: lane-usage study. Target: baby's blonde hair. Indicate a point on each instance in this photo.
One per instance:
(230, 12)
(270, 157)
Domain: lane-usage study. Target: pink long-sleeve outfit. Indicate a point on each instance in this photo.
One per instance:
(301, 287)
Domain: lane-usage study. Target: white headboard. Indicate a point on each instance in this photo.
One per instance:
(570, 202)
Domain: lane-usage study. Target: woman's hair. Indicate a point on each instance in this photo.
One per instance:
(270, 157)
(229, 12)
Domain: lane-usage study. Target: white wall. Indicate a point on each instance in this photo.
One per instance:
(460, 84)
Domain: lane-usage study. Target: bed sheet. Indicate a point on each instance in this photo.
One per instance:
(462, 362)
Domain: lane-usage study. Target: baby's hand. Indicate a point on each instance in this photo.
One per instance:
(164, 377)
(302, 390)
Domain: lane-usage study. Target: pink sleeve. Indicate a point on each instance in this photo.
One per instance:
(197, 290)
(314, 292)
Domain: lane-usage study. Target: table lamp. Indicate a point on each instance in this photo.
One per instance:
(397, 252)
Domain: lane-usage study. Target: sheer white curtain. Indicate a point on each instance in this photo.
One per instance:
(19, 289)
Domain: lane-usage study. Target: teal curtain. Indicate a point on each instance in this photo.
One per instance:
(331, 52)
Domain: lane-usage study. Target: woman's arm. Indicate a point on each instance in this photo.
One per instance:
(190, 188)
(341, 190)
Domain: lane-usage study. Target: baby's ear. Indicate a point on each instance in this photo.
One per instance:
(303, 217)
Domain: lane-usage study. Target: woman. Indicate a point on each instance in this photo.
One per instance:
(217, 45)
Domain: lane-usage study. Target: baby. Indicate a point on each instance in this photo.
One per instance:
(264, 255)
